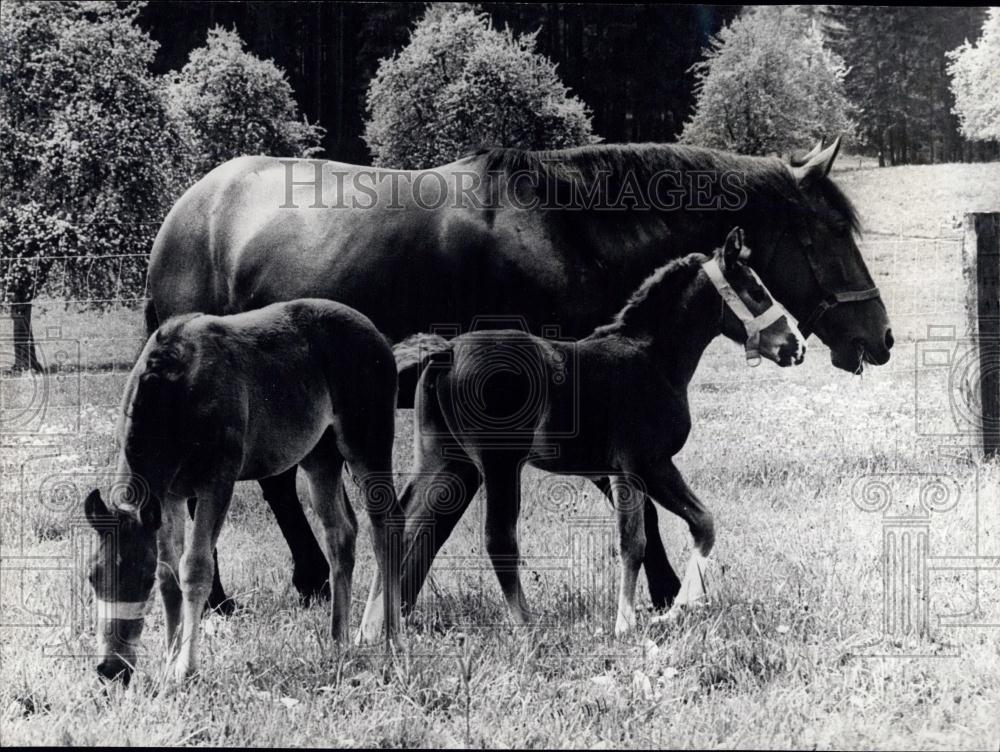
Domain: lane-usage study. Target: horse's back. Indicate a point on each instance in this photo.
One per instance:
(276, 378)
(192, 250)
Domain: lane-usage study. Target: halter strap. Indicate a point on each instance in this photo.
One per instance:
(851, 296)
(122, 610)
(752, 325)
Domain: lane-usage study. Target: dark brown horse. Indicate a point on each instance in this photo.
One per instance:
(614, 404)
(213, 400)
(553, 238)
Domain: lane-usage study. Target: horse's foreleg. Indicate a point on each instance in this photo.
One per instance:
(661, 579)
(196, 568)
(632, 543)
(667, 487)
(503, 506)
(311, 575)
(218, 601)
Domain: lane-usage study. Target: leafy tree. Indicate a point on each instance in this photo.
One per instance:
(460, 84)
(898, 78)
(89, 159)
(975, 82)
(768, 84)
(229, 102)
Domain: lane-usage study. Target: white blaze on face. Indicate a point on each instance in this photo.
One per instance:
(119, 627)
(770, 342)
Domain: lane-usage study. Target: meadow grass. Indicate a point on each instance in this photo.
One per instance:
(788, 651)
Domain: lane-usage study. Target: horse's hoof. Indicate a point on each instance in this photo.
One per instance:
(184, 672)
(313, 594)
(624, 624)
(662, 600)
(666, 618)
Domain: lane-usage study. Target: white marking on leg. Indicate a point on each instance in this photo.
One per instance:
(695, 585)
(373, 620)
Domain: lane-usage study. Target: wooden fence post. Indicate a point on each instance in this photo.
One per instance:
(982, 262)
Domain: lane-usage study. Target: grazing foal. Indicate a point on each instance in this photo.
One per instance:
(614, 403)
(213, 400)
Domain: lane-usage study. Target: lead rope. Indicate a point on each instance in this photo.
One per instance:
(752, 325)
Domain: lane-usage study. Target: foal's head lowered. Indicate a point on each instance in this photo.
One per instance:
(750, 316)
(122, 574)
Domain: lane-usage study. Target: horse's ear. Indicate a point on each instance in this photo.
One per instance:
(95, 509)
(797, 161)
(819, 165)
(733, 247)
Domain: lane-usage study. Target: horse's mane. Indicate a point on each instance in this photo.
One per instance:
(669, 283)
(768, 180)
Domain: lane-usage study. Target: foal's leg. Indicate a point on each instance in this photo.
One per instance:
(632, 544)
(503, 506)
(196, 567)
(667, 486)
(169, 547)
(324, 469)
(218, 601)
(311, 575)
(661, 579)
(434, 500)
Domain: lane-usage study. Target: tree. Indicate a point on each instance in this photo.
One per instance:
(90, 155)
(229, 102)
(768, 84)
(898, 78)
(460, 84)
(975, 82)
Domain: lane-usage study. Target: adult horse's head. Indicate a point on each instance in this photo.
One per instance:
(806, 228)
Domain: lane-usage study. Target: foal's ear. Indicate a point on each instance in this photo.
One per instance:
(733, 247)
(95, 509)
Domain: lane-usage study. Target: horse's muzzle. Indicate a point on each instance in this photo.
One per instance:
(115, 669)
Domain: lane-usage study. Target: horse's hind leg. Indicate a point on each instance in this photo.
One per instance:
(503, 506)
(169, 548)
(661, 579)
(218, 601)
(324, 470)
(311, 575)
(387, 523)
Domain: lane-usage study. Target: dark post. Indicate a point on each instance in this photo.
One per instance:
(983, 257)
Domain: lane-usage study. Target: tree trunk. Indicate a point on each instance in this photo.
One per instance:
(25, 356)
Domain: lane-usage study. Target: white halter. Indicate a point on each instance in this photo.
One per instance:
(753, 325)
(123, 610)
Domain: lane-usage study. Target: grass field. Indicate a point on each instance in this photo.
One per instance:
(790, 650)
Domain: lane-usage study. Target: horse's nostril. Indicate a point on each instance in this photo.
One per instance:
(889, 341)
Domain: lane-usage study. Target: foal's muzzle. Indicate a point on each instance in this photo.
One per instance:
(112, 669)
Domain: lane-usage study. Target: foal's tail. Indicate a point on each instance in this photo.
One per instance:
(412, 356)
(152, 322)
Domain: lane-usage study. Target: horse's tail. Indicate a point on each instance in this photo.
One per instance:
(152, 323)
(412, 356)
